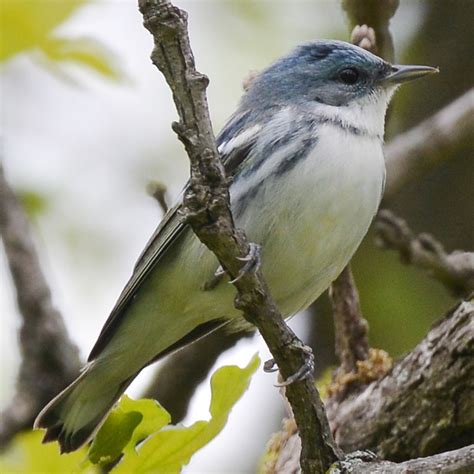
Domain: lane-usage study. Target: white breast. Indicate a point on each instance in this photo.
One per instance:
(312, 220)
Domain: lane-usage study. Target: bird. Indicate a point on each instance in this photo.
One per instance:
(303, 153)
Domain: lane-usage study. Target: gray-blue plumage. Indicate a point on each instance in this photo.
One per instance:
(304, 154)
(312, 73)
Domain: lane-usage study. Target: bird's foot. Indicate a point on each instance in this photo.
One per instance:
(215, 280)
(252, 260)
(306, 370)
(270, 366)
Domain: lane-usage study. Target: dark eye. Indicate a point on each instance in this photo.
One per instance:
(349, 75)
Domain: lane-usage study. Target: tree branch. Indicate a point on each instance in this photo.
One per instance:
(207, 211)
(49, 359)
(376, 14)
(459, 461)
(157, 190)
(455, 270)
(423, 406)
(351, 329)
(413, 153)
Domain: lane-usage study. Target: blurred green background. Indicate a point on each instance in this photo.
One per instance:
(85, 125)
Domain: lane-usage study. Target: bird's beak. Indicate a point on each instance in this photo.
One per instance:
(398, 74)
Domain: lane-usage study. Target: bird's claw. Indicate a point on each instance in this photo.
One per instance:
(219, 272)
(270, 366)
(215, 280)
(252, 261)
(303, 372)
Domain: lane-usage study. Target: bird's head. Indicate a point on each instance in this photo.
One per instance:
(331, 74)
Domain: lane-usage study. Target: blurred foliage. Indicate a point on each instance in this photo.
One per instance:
(34, 203)
(324, 381)
(400, 302)
(28, 25)
(26, 455)
(131, 423)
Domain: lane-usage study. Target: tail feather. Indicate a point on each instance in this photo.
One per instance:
(73, 416)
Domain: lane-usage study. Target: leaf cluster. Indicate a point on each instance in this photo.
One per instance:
(137, 436)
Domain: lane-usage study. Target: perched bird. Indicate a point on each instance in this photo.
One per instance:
(304, 152)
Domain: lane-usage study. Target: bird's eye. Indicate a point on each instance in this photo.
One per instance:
(349, 75)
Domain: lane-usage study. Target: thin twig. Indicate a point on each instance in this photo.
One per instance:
(455, 270)
(376, 14)
(370, 22)
(157, 190)
(49, 358)
(414, 153)
(207, 211)
(351, 329)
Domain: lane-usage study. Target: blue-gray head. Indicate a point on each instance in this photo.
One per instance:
(334, 73)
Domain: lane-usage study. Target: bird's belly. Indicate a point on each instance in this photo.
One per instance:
(311, 221)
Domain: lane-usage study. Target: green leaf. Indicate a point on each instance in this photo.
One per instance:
(29, 24)
(26, 454)
(84, 51)
(26, 24)
(170, 449)
(128, 423)
(114, 436)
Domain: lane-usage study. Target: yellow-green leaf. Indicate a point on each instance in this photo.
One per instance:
(171, 449)
(83, 51)
(25, 24)
(130, 422)
(26, 454)
(113, 436)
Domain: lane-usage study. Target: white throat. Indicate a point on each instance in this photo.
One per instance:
(366, 114)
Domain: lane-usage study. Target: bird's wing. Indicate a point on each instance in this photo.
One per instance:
(234, 151)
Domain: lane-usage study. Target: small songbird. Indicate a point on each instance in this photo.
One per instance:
(304, 153)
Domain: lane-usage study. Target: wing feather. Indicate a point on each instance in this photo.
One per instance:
(171, 226)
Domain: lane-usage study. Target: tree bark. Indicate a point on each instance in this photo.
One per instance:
(423, 406)
(50, 360)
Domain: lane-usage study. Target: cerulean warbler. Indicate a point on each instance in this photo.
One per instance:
(304, 151)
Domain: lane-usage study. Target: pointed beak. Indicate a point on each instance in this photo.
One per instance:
(398, 74)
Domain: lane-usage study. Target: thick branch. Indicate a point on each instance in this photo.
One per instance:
(414, 153)
(49, 359)
(455, 270)
(206, 209)
(459, 461)
(423, 406)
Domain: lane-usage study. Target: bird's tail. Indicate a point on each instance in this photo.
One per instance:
(77, 412)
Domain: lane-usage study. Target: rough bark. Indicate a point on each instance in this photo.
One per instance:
(459, 461)
(423, 406)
